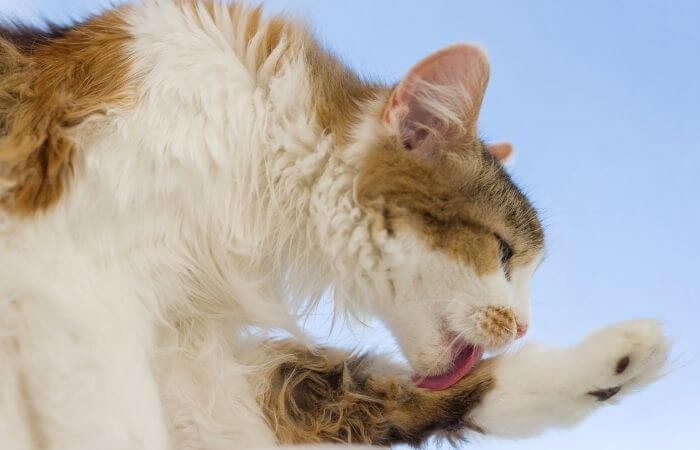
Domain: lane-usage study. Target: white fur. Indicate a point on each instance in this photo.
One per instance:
(215, 206)
(539, 387)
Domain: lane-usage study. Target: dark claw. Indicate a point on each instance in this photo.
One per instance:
(605, 394)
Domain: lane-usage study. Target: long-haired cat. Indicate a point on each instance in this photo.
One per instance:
(174, 174)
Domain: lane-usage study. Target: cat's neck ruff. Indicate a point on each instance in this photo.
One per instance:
(223, 160)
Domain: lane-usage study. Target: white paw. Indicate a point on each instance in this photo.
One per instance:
(623, 357)
(540, 387)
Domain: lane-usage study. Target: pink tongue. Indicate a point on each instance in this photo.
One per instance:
(464, 361)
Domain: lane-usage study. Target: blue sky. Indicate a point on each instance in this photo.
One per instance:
(602, 102)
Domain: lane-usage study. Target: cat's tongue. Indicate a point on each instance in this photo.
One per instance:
(464, 361)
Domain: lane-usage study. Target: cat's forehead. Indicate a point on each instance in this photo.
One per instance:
(459, 202)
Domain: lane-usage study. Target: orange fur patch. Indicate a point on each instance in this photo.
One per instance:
(46, 89)
(338, 93)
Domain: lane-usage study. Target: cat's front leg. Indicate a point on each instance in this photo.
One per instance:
(538, 387)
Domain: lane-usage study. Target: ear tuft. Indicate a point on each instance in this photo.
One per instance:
(439, 95)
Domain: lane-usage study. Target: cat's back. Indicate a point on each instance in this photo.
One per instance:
(169, 75)
(127, 120)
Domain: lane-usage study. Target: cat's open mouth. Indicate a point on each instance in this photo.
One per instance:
(465, 358)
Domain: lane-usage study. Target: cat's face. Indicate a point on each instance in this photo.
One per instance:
(465, 240)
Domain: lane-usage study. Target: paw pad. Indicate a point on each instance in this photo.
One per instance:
(604, 394)
(622, 365)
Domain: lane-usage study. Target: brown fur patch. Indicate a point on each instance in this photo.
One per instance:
(326, 395)
(458, 202)
(49, 84)
(338, 93)
(497, 324)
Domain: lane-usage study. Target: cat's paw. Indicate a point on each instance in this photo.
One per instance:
(540, 387)
(622, 358)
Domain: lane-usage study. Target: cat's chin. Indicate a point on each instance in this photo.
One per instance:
(466, 356)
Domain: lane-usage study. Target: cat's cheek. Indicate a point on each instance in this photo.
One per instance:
(520, 288)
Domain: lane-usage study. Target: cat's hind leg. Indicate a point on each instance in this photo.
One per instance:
(86, 372)
(327, 395)
(540, 387)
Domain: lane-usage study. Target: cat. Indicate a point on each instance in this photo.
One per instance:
(175, 175)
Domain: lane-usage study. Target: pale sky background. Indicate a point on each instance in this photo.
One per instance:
(602, 101)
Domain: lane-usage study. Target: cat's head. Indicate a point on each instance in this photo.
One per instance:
(460, 241)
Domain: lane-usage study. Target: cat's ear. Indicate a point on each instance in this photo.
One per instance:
(502, 151)
(439, 96)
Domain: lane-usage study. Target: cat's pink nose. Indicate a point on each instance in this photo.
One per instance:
(521, 330)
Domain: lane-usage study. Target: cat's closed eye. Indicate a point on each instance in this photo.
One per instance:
(506, 253)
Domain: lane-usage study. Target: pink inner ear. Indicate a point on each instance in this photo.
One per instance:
(501, 151)
(446, 88)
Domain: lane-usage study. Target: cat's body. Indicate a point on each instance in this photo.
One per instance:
(174, 173)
